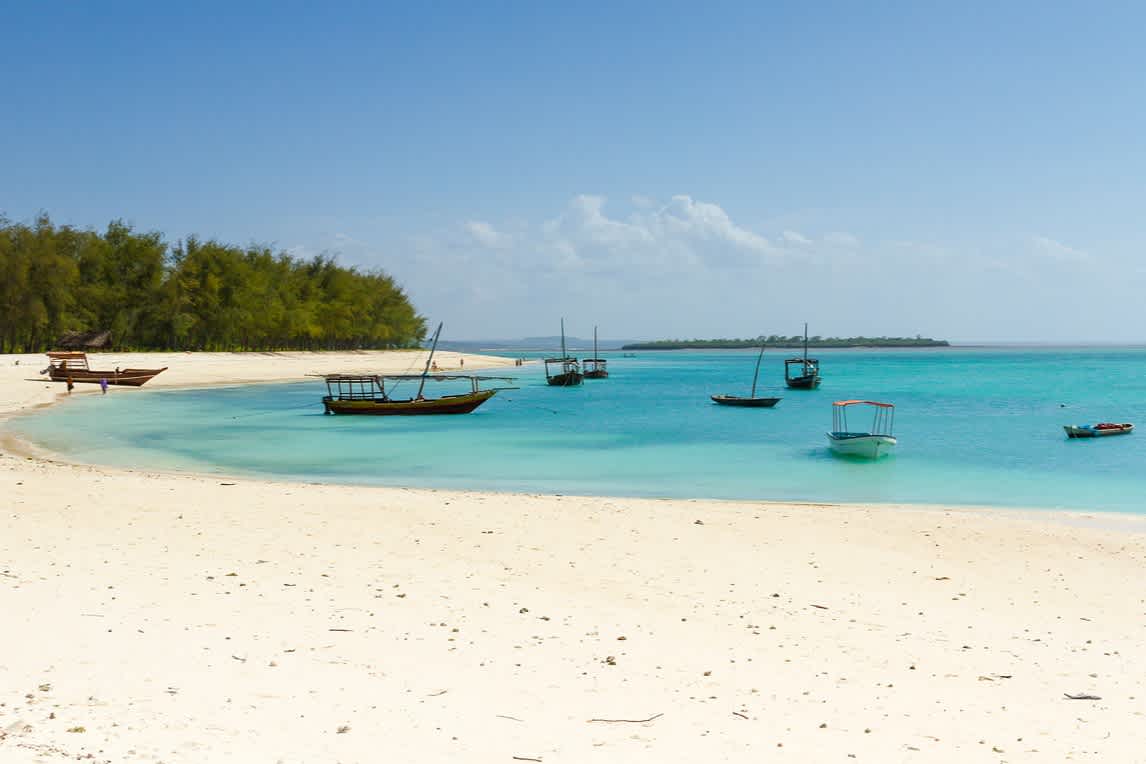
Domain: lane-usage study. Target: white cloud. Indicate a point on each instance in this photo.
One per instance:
(687, 267)
(485, 235)
(1041, 245)
(683, 234)
(841, 239)
(705, 222)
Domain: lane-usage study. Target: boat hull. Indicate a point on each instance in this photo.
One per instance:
(123, 377)
(1097, 430)
(861, 445)
(595, 374)
(568, 379)
(753, 403)
(804, 383)
(448, 404)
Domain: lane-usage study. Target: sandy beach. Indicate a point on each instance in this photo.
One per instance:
(176, 618)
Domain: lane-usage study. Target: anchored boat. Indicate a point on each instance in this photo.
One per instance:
(595, 367)
(802, 373)
(751, 401)
(1099, 430)
(563, 371)
(871, 444)
(367, 393)
(63, 366)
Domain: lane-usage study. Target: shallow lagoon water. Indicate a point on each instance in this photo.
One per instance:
(975, 427)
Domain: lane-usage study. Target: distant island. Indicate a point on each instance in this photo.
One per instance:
(795, 341)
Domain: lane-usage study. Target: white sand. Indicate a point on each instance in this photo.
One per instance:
(150, 617)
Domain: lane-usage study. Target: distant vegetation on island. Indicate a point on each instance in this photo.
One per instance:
(193, 295)
(795, 341)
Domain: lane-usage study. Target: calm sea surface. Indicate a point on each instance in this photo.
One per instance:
(975, 426)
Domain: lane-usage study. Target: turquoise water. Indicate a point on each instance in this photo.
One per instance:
(975, 426)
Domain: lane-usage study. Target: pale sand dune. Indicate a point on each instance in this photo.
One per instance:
(196, 619)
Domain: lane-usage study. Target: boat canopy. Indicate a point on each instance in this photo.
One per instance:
(370, 386)
(440, 377)
(882, 422)
(68, 359)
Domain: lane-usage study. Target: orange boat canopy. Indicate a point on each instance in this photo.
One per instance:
(870, 403)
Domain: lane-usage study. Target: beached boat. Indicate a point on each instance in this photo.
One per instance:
(870, 444)
(595, 367)
(751, 401)
(1097, 430)
(367, 393)
(563, 371)
(802, 373)
(74, 366)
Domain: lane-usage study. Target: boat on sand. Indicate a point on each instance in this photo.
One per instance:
(63, 366)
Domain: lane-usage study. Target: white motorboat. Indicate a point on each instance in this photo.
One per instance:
(870, 444)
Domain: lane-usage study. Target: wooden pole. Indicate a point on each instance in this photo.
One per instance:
(756, 373)
(425, 371)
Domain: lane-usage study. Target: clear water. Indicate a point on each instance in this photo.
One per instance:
(975, 426)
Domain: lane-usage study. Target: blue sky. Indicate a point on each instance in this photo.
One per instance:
(974, 172)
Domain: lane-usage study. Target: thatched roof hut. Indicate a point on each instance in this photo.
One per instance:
(94, 340)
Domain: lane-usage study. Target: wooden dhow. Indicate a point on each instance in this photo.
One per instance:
(595, 367)
(802, 373)
(751, 401)
(63, 366)
(368, 393)
(563, 371)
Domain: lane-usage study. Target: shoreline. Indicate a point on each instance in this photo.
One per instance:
(15, 445)
(192, 617)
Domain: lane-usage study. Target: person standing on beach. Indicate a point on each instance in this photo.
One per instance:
(71, 384)
(103, 385)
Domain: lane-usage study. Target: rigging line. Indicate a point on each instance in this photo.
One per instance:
(539, 408)
(409, 368)
(275, 411)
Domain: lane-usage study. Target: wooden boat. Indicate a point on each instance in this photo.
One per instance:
(751, 401)
(1099, 430)
(563, 371)
(802, 373)
(367, 393)
(594, 368)
(74, 365)
(870, 444)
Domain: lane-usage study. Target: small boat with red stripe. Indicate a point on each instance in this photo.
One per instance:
(1099, 430)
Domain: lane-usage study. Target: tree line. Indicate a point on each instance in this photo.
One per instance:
(193, 295)
(795, 341)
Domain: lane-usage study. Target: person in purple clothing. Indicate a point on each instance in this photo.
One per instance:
(103, 385)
